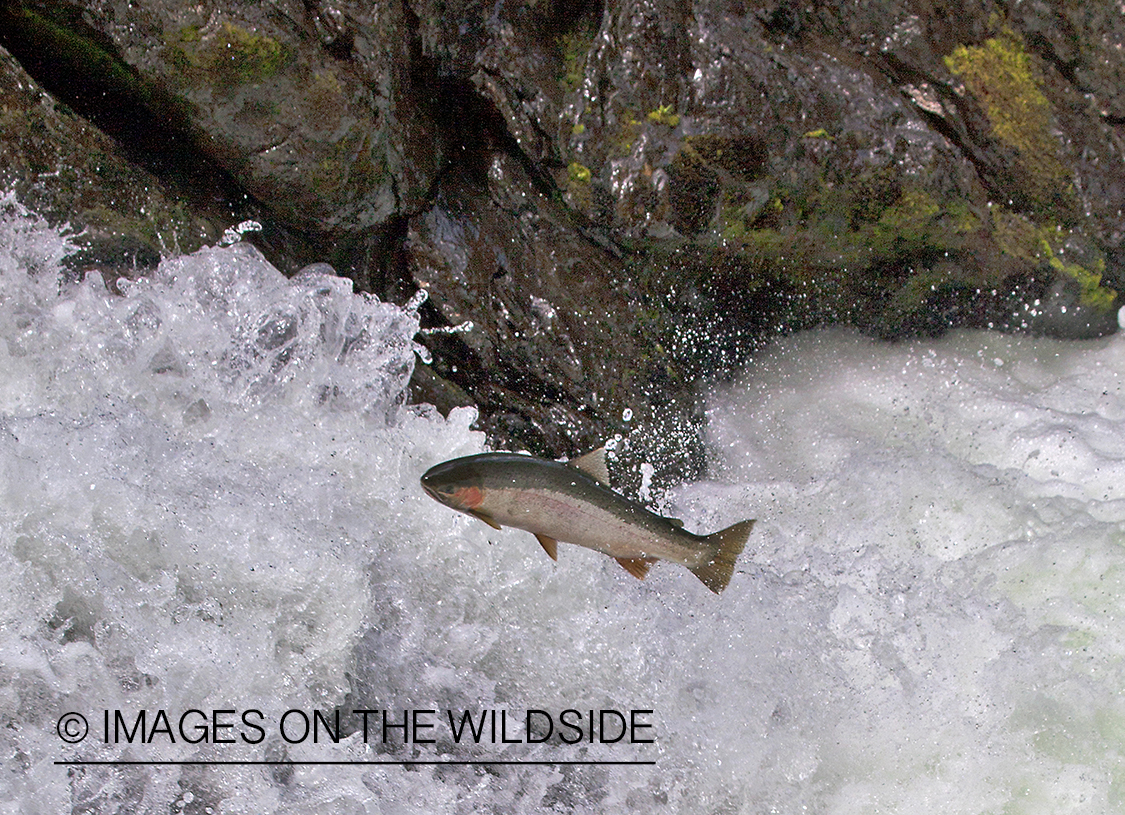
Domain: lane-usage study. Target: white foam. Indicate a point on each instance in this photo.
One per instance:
(210, 500)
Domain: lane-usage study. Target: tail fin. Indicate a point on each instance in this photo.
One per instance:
(716, 572)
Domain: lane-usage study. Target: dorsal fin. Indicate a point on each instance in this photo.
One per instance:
(550, 545)
(593, 464)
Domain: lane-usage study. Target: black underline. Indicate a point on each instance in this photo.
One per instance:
(341, 763)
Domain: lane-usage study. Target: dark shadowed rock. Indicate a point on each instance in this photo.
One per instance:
(72, 173)
(312, 112)
(573, 353)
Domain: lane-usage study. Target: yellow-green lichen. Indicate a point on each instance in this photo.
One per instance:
(578, 173)
(1093, 293)
(1002, 77)
(574, 48)
(1020, 238)
(664, 115)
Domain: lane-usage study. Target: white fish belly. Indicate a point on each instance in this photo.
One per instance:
(586, 524)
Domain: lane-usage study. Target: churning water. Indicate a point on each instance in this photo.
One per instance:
(211, 531)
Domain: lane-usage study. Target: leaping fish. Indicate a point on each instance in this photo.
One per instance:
(572, 502)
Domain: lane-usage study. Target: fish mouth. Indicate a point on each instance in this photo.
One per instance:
(447, 497)
(430, 491)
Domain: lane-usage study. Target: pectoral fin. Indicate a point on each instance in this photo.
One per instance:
(636, 566)
(486, 518)
(550, 546)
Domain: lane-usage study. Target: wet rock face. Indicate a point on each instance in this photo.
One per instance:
(879, 159)
(493, 256)
(625, 198)
(575, 358)
(58, 164)
(310, 109)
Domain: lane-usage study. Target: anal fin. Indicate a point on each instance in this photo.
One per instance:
(636, 566)
(550, 545)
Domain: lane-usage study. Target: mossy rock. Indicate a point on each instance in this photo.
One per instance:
(1005, 81)
(231, 56)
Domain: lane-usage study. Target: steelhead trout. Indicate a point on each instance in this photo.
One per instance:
(571, 502)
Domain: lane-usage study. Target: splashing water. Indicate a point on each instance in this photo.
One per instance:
(209, 502)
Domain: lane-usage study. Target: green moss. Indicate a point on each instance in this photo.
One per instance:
(353, 161)
(964, 219)
(999, 74)
(911, 225)
(189, 33)
(1016, 235)
(251, 57)
(1003, 78)
(232, 56)
(708, 165)
(742, 157)
(868, 252)
(835, 228)
(629, 127)
(326, 176)
(182, 49)
(165, 229)
(732, 223)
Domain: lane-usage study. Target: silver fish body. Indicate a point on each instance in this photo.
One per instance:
(569, 502)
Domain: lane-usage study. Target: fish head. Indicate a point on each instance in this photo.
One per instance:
(454, 484)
